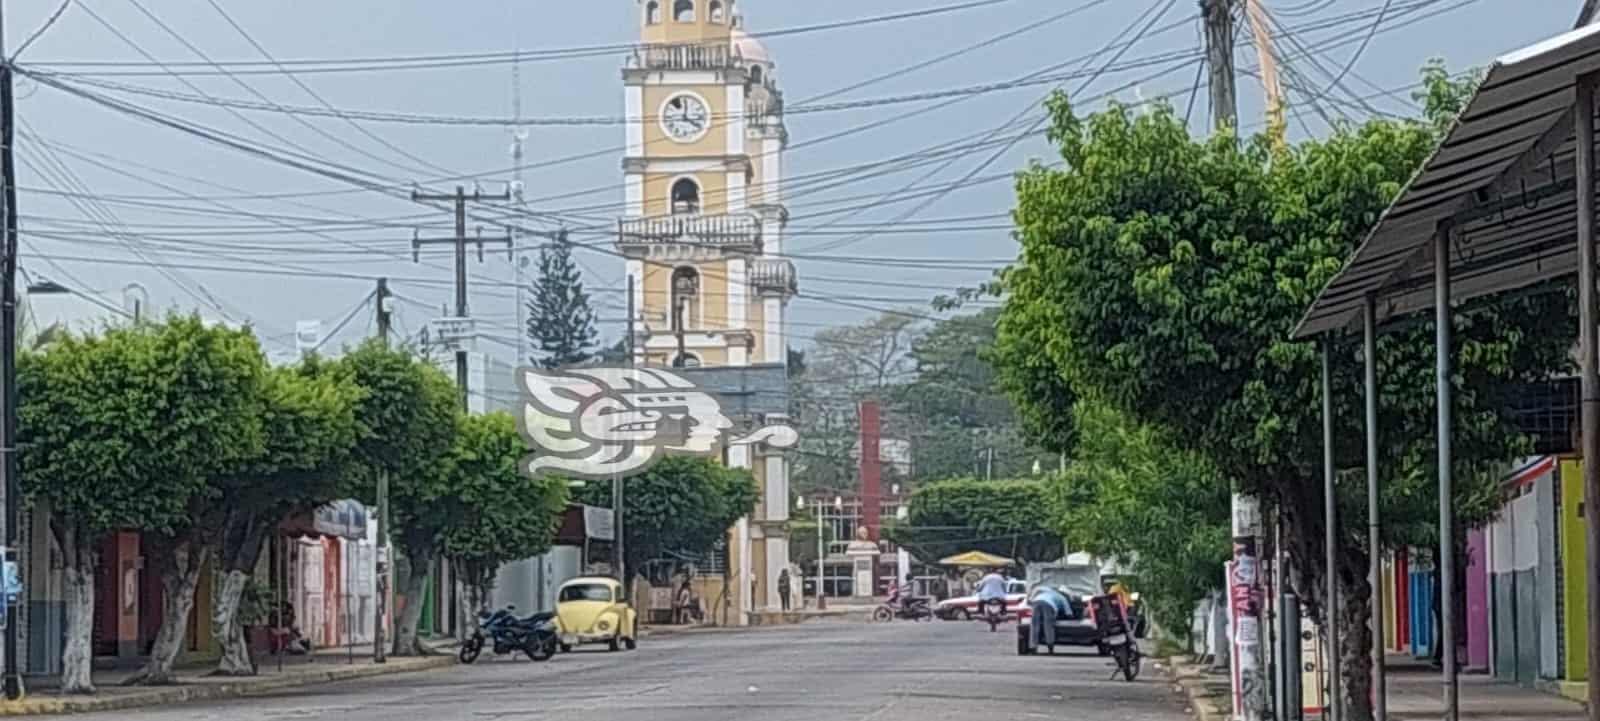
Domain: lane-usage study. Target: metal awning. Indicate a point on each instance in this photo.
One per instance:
(1502, 179)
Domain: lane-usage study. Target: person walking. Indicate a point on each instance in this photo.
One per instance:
(783, 589)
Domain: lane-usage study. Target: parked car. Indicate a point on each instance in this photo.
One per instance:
(591, 610)
(1076, 628)
(1079, 583)
(966, 607)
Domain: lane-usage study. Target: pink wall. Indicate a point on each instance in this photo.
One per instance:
(1477, 600)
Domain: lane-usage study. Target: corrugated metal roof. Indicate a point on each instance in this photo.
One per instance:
(1502, 178)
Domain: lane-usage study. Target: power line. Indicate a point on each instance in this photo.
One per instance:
(439, 61)
(317, 97)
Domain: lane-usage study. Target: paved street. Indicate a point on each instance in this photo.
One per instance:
(831, 671)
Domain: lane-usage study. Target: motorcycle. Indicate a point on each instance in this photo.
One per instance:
(994, 611)
(915, 609)
(1116, 635)
(536, 635)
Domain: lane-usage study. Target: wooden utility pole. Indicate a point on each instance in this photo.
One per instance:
(460, 199)
(1219, 58)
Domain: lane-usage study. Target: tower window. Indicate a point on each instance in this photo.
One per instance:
(687, 360)
(685, 197)
(716, 11)
(683, 11)
(652, 13)
(756, 74)
(685, 298)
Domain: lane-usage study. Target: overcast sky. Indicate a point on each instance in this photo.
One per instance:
(140, 166)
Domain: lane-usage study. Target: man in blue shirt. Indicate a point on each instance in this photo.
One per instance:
(1048, 604)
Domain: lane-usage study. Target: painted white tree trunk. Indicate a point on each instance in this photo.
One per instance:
(235, 659)
(405, 637)
(77, 672)
(179, 577)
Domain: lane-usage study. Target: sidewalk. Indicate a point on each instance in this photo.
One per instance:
(193, 684)
(1415, 693)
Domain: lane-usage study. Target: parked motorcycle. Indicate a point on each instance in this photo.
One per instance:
(914, 609)
(536, 635)
(1117, 635)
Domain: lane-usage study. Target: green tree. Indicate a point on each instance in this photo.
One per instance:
(560, 319)
(848, 364)
(1007, 518)
(309, 417)
(1164, 275)
(680, 504)
(1134, 495)
(954, 410)
(494, 513)
(126, 431)
(406, 425)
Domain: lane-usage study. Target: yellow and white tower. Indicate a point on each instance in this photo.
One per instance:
(703, 232)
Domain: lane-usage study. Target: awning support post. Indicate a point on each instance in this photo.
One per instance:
(1588, 317)
(1380, 684)
(1331, 540)
(1447, 511)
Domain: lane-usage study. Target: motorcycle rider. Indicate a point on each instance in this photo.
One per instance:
(991, 589)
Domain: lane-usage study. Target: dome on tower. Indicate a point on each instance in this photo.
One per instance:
(747, 47)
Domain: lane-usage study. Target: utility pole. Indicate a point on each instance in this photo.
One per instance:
(379, 654)
(8, 357)
(617, 542)
(1244, 593)
(460, 199)
(1277, 124)
(1219, 57)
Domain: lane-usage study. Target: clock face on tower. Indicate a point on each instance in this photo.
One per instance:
(685, 118)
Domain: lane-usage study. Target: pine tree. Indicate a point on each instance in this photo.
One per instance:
(560, 319)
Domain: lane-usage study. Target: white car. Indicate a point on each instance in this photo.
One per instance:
(966, 607)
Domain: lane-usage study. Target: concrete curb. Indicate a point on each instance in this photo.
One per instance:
(1198, 697)
(245, 687)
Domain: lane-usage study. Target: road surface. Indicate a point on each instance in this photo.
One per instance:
(900, 671)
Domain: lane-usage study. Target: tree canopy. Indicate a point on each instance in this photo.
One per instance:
(494, 513)
(1163, 275)
(682, 504)
(1136, 496)
(1010, 518)
(560, 318)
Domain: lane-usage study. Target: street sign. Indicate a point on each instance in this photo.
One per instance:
(599, 523)
(452, 331)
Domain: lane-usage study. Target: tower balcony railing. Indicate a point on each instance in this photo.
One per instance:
(773, 275)
(726, 230)
(684, 56)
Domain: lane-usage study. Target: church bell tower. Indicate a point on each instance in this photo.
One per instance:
(703, 231)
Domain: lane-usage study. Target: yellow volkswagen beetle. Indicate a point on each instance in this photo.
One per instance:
(591, 610)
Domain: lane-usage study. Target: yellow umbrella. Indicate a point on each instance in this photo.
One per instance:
(977, 558)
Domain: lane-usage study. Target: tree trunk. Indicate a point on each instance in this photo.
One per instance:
(179, 567)
(1356, 654)
(405, 636)
(236, 660)
(239, 555)
(77, 670)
